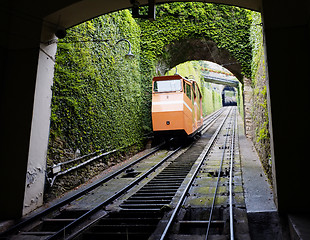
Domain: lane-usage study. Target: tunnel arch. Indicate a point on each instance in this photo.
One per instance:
(279, 25)
(74, 12)
(198, 49)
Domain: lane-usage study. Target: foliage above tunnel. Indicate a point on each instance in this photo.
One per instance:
(227, 26)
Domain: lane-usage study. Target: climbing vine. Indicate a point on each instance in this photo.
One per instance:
(102, 100)
(96, 100)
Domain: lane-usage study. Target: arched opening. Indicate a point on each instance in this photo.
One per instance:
(218, 85)
(199, 49)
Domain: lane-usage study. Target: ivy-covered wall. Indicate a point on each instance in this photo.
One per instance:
(97, 91)
(97, 96)
(102, 100)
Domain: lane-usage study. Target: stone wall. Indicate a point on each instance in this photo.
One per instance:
(248, 106)
(260, 119)
(255, 97)
(256, 114)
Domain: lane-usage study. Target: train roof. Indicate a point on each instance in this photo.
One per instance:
(171, 77)
(175, 77)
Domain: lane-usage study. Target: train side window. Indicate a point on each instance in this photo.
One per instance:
(193, 94)
(188, 91)
(197, 93)
(155, 87)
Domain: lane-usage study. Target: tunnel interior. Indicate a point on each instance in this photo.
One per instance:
(229, 96)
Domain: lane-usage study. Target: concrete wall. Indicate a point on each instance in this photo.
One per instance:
(25, 68)
(35, 177)
(19, 62)
(287, 42)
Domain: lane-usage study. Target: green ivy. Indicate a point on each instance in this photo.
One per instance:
(227, 26)
(256, 40)
(101, 100)
(97, 92)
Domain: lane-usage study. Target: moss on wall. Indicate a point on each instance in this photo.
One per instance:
(260, 118)
(102, 100)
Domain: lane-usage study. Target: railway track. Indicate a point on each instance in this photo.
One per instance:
(211, 205)
(52, 222)
(156, 210)
(138, 215)
(57, 220)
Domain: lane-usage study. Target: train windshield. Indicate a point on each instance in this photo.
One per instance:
(168, 86)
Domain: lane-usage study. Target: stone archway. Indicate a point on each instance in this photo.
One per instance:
(198, 49)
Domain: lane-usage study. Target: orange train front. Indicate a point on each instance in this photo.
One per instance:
(176, 106)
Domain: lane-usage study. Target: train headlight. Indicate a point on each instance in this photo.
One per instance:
(168, 122)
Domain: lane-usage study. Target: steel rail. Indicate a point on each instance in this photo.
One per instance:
(216, 187)
(232, 151)
(189, 184)
(75, 196)
(219, 111)
(110, 199)
(213, 115)
(212, 120)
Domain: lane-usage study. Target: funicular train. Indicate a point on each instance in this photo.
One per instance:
(176, 106)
